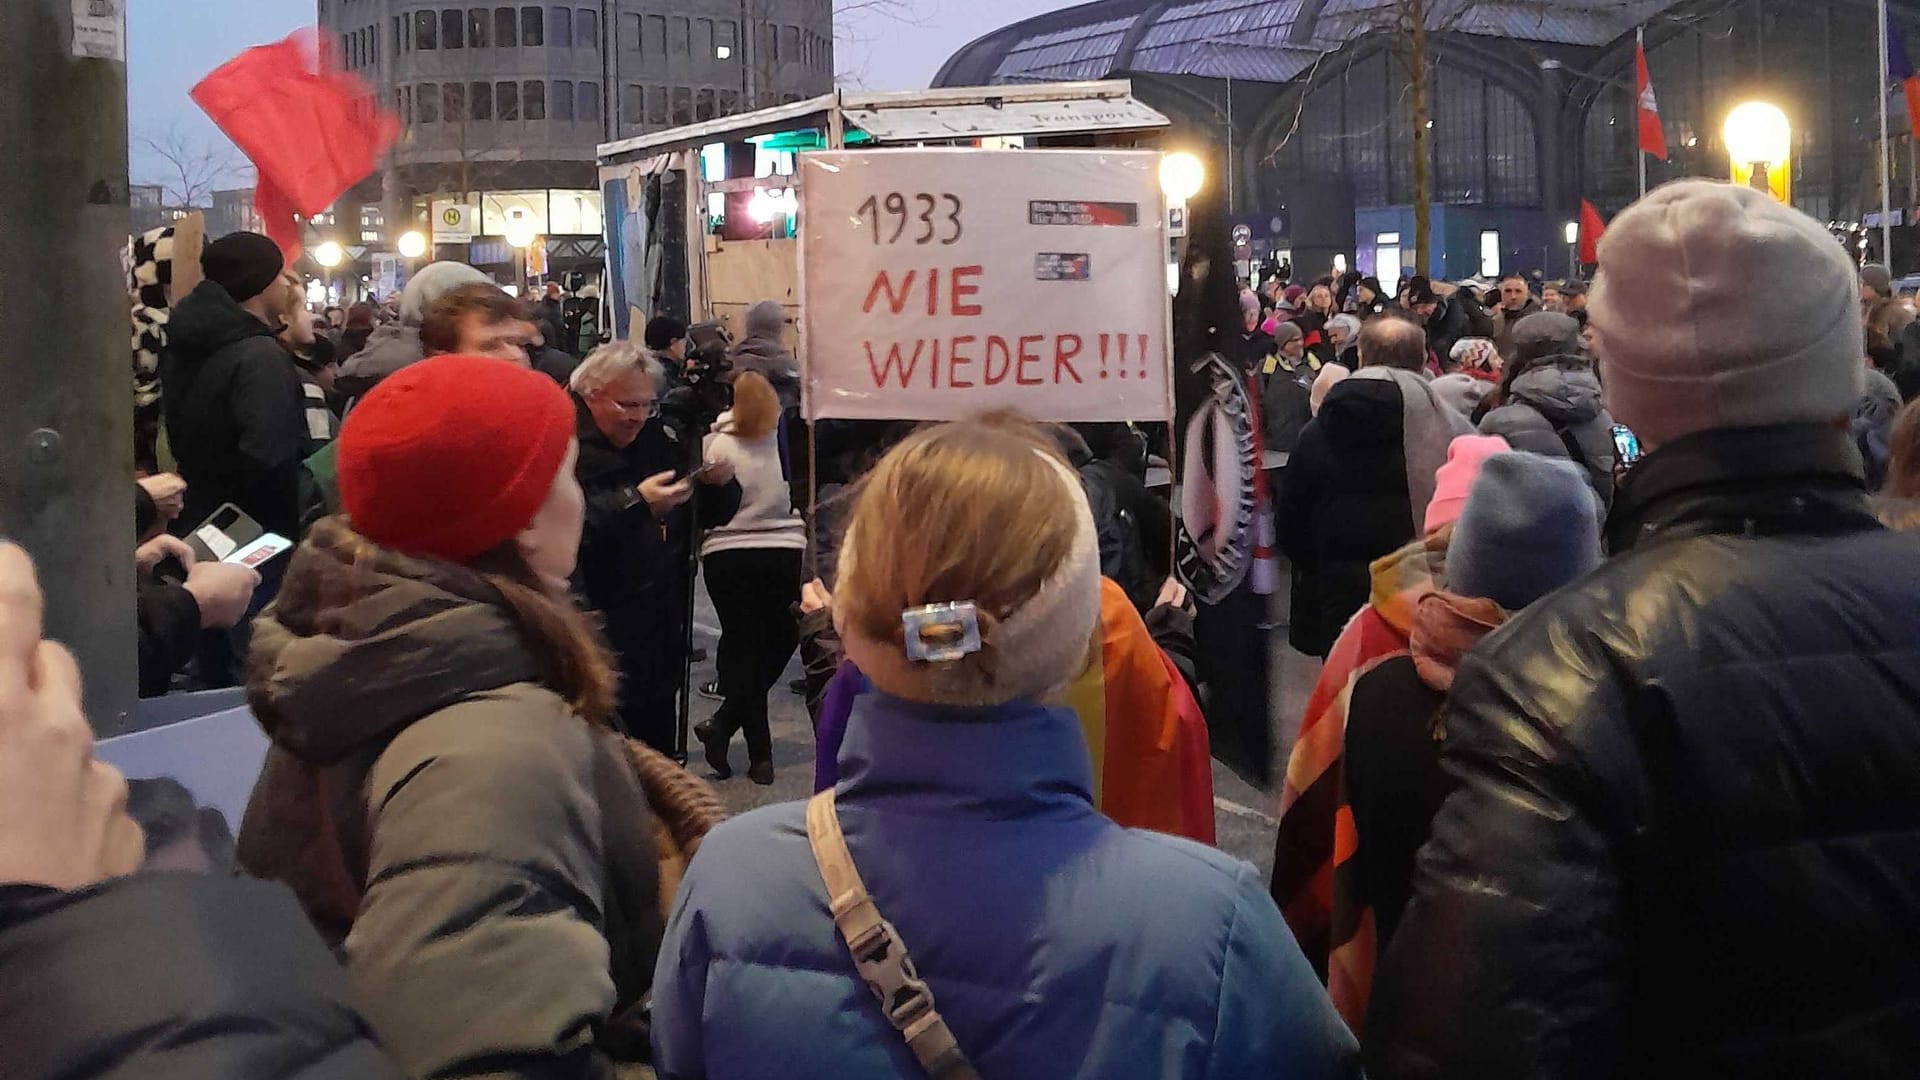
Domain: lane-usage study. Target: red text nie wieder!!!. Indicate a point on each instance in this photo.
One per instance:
(965, 361)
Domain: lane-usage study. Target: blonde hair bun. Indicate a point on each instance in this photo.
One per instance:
(980, 510)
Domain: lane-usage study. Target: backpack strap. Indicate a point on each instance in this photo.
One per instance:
(1574, 453)
(879, 955)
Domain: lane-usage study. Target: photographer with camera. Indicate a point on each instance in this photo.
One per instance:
(640, 479)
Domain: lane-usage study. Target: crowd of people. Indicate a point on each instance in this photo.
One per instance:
(1610, 769)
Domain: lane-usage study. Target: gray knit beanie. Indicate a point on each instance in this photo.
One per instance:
(1530, 526)
(1689, 333)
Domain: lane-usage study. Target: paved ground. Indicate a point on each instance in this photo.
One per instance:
(1243, 813)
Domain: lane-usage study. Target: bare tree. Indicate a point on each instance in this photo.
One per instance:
(861, 22)
(190, 169)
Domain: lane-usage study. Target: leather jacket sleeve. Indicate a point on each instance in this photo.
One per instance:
(1511, 959)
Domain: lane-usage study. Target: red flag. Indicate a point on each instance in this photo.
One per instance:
(311, 130)
(1591, 230)
(1653, 139)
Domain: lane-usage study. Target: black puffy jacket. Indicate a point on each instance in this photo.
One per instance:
(1685, 837)
(170, 976)
(236, 415)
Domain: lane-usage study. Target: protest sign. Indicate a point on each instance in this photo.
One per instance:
(939, 283)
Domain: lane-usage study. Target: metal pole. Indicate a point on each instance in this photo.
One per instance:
(1639, 153)
(66, 433)
(1880, 106)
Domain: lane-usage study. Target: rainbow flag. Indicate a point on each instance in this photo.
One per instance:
(1900, 70)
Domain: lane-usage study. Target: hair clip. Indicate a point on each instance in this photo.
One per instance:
(941, 632)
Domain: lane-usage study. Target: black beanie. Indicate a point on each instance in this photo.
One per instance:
(243, 263)
(663, 331)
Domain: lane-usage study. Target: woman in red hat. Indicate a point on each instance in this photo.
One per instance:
(443, 792)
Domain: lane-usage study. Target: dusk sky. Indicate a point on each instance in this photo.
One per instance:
(172, 44)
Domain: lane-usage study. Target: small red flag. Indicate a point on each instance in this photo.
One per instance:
(1653, 139)
(311, 130)
(1591, 230)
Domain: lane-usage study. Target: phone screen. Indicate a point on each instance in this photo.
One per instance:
(1626, 444)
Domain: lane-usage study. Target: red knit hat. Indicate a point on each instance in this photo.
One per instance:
(452, 456)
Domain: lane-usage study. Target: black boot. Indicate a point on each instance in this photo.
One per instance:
(716, 748)
(761, 772)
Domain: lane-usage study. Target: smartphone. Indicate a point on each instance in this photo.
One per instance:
(705, 470)
(225, 531)
(267, 548)
(1626, 445)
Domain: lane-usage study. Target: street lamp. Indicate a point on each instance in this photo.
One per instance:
(520, 236)
(1572, 232)
(412, 244)
(1181, 176)
(1759, 141)
(328, 255)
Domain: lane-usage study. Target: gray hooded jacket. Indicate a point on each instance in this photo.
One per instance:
(1554, 408)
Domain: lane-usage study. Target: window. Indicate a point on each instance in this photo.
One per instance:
(505, 33)
(533, 28)
(633, 104)
(703, 39)
(679, 44)
(723, 42)
(479, 23)
(426, 30)
(657, 105)
(403, 104)
(533, 97)
(453, 102)
(406, 24)
(480, 101)
(1386, 256)
(373, 43)
(729, 102)
(426, 103)
(703, 104)
(1490, 253)
(657, 34)
(630, 33)
(506, 100)
(682, 105)
(563, 99)
(453, 29)
(586, 28)
(770, 42)
(587, 107)
(399, 44)
(560, 28)
(790, 43)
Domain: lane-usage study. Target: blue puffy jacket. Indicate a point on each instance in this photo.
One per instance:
(1056, 942)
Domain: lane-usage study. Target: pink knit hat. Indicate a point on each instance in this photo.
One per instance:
(1465, 455)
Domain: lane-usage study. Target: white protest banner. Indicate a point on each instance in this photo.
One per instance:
(938, 283)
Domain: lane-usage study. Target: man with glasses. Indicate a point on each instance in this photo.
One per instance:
(646, 495)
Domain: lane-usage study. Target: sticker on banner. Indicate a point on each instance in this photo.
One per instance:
(1061, 266)
(1083, 213)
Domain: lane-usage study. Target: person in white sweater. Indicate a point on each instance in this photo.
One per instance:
(753, 575)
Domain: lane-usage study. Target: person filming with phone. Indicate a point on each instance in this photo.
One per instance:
(646, 496)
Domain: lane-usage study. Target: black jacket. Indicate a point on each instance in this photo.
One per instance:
(1453, 318)
(1344, 505)
(235, 412)
(169, 619)
(173, 976)
(634, 568)
(1685, 838)
(552, 318)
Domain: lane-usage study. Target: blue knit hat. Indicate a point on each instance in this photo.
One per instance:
(1530, 526)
